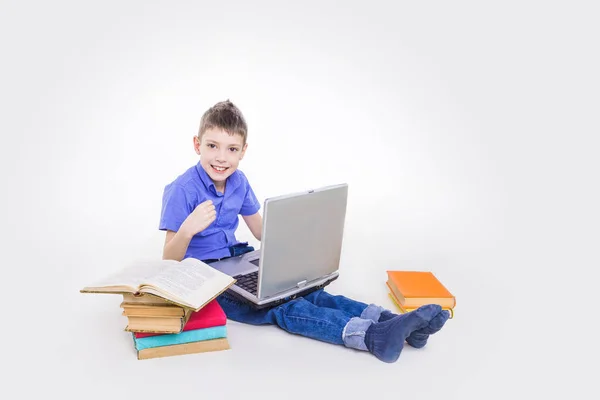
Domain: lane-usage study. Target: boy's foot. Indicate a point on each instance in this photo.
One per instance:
(386, 339)
(419, 337)
(386, 315)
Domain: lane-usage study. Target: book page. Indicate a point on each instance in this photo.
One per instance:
(136, 274)
(192, 281)
(182, 280)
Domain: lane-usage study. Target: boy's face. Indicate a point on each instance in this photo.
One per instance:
(220, 153)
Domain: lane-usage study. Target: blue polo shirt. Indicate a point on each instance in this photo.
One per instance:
(193, 187)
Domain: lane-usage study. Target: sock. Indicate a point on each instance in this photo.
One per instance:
(419, 337)
(385, 340)
(386, 315)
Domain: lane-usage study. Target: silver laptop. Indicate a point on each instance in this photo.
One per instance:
(300, 248)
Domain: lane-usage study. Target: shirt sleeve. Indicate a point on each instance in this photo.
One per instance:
(176, 206)
(250, 206)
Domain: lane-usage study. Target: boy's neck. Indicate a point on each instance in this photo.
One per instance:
(220, 187)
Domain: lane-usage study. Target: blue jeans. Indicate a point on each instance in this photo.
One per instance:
(318, 315)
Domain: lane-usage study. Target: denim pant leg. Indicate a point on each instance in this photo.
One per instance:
(301, 317)
(351, 307)
(240, 248)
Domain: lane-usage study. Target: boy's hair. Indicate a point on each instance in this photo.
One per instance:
(224, 115)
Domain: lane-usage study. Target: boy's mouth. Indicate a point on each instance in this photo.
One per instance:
(219, 170)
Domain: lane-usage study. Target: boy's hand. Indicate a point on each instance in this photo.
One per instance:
(203, 215)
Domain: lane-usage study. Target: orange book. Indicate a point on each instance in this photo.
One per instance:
(416, 288)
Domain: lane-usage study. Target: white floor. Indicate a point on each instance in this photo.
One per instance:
(467, 356)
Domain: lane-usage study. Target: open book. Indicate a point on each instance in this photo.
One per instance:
(189, 283)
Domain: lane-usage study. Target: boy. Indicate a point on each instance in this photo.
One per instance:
(200, 215)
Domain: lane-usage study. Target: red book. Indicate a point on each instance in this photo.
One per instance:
(208, 316)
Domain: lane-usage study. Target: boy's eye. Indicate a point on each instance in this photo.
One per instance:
(233, 149)
(212, 146)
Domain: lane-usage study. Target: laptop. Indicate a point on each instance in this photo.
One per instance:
(300, 248)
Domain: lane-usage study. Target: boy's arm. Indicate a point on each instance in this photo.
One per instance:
(254, 223)
(176, 243)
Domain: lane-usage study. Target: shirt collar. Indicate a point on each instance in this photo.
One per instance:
(232, 182)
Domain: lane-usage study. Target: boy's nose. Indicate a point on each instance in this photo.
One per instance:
(221, 156)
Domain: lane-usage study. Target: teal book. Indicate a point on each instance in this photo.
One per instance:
(196, 335)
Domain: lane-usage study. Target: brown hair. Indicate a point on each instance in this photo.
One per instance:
(224, 115)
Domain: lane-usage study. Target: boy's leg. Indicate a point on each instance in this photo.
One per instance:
(351, 307)
(385, 339)
(376, 313)
(296, 316)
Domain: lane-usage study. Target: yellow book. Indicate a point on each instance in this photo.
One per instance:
(405, 310)
(143, 310)
(163, 325)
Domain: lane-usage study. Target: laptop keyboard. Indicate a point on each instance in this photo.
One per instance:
(248, 282)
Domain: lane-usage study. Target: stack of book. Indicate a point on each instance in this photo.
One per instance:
(161, 329)
(170, 306)
(410, 290)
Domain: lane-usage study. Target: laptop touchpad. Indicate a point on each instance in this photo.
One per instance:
(255, 261)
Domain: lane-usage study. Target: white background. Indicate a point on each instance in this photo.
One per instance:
(466, 131)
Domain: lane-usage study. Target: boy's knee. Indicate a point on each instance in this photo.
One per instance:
(314, 296)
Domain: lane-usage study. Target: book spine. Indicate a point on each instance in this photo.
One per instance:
(196, 335)
(184, 348)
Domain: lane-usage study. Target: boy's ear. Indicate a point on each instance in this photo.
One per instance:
(197, 144)
(243, 151)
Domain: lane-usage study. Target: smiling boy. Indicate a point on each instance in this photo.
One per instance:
(200, 216)
(201, 207)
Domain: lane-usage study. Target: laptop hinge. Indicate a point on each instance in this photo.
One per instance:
(301, 283)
